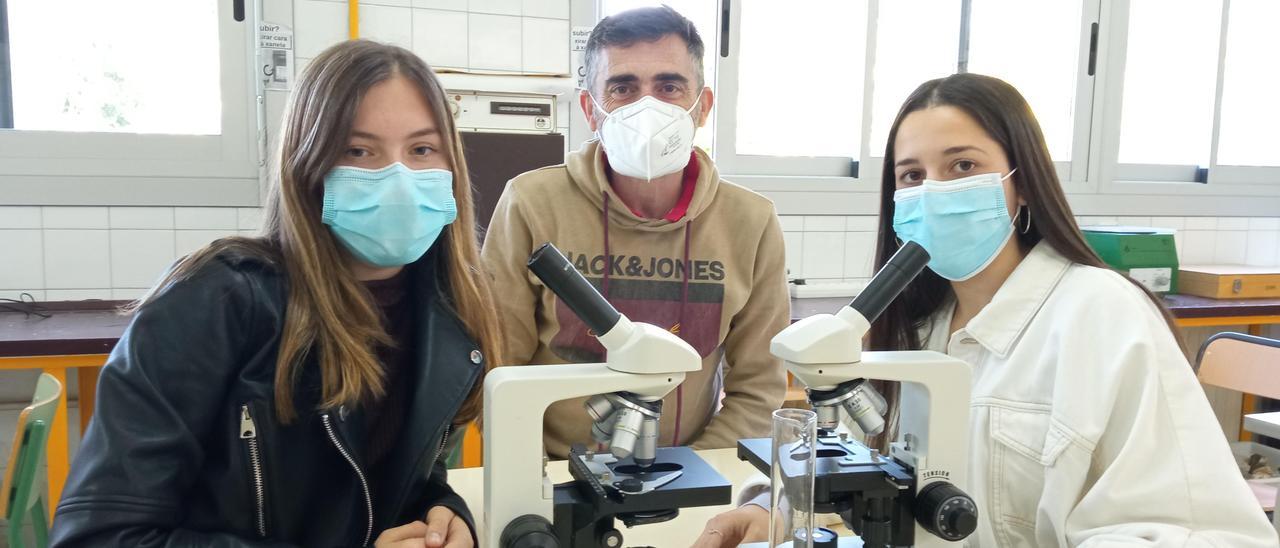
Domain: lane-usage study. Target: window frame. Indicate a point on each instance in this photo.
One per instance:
(1172, 189)
(101, 168)
(726, 128)
(1093, 180)
(797, 185)
(6, 77)
(813, 186)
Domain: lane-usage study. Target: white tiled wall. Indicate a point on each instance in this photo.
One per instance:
(64, 253)
(491, 35)
(74, 253)
(829, 249)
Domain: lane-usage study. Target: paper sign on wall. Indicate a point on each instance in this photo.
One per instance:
(578, 45)
(275, 55)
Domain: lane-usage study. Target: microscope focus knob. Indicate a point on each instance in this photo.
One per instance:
(946, 511)
(611, 539)
(529, 531)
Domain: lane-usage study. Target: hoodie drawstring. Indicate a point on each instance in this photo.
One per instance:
(604, 220)
(684, 298)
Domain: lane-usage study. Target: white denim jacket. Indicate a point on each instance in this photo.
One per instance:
(1088, 425)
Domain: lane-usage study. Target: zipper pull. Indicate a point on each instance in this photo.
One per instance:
(248, 430)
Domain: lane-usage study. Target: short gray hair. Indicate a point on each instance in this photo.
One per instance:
(641, 24)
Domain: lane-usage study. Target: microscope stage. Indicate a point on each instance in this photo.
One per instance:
(841, 467)
(697, 485)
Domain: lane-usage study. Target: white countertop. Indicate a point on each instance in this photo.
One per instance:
(1267, 424)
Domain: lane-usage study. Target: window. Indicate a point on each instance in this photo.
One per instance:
(1171, 58)
(1197, 93)
(1036, 47)
(907, 58)
(1029, 45)
(1149, 91)
(115, 77)
(807, 95)
(1250, 112)
(794, 80)
(149, 105)
(824, 45)
(814, 68)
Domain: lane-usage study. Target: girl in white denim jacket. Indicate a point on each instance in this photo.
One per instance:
(1088, 425)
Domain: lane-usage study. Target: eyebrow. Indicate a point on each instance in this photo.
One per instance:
(621, 79)
(424, 132)
(671, 77)
(947, 152)
(420, 133)
(961, 148)
(660, 77)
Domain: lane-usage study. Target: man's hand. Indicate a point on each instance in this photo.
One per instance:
(748, 523)
(446, 530)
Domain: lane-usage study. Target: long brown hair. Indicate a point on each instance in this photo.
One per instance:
(1007, 118)
(331, 317)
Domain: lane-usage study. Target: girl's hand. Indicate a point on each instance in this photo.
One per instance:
(446, 530)
(747, 523)
(410, 535)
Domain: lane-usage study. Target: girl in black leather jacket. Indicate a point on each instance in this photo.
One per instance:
(303, 387)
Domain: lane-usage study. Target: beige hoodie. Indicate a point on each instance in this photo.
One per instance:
(716, 278)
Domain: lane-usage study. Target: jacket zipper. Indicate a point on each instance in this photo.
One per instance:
(364, 484)
(249, 433)
(443, 442)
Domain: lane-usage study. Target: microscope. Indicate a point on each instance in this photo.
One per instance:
(635, 482)
(912, 496)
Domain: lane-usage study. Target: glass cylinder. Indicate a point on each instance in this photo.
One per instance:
(795, 436)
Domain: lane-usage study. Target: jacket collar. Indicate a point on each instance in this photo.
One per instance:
(1010, 311)
(442, 376)
(448, 362)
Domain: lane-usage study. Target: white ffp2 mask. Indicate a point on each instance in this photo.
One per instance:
(648, 138)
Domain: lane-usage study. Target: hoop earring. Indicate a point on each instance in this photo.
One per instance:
(1027, 226)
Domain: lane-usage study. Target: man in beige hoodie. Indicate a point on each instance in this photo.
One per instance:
(646, 218)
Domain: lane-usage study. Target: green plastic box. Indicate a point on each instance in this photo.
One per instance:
(1148, 255)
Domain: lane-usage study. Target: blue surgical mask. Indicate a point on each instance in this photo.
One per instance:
(963, 223)
(390, 216)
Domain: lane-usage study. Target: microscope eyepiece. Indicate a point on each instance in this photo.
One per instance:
(892, 278)
(550, 266)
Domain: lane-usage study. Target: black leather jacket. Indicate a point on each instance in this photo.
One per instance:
(185, 450)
